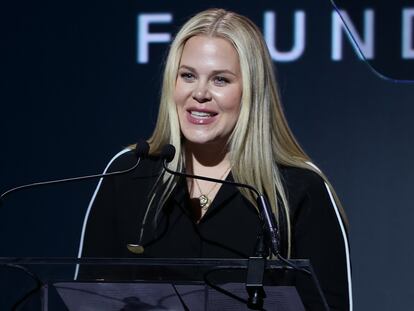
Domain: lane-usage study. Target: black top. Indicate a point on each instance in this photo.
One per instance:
(229, 229)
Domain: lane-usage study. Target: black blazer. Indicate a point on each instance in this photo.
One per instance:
(229, 229)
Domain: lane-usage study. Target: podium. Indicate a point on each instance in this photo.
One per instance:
(152, 284)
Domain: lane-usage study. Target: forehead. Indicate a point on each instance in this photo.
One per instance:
(209, 51)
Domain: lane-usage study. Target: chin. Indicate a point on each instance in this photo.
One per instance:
(207, 141)
(199, 141)
(204, 137)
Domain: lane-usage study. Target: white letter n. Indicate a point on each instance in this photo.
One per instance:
(338, 27)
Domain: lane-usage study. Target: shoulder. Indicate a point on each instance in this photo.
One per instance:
(120, 160)
(308, 194)
(300, 181)
(127, 158)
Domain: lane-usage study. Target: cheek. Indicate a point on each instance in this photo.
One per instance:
(231, 100)
(180, 94)
(176, 98)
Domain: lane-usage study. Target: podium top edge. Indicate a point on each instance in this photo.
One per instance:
(217, 262)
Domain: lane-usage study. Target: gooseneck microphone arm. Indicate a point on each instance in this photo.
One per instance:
(141, 151)
(256, 266)
(167, 155)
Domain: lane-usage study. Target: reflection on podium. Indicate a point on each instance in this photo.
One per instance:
(155, 284)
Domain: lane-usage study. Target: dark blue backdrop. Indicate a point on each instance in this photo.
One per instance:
(73, 94)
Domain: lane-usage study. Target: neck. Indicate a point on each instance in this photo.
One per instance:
(206, 160)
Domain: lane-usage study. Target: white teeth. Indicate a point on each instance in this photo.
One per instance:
(201, 114)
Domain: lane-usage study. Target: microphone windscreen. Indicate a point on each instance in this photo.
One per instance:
(167, 153)
(142, 149)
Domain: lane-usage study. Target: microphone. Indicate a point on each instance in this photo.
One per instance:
(167, 155)
(256, 265)
(141, 151)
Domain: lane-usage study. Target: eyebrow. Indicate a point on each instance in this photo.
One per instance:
(214, 72)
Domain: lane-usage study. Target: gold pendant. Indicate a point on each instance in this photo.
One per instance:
(203, 200)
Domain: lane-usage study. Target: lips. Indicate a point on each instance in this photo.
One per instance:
(201, 117)
(202, 114)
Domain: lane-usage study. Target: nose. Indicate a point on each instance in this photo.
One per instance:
(201, 93)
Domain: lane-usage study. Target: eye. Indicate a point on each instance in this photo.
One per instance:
(220, 80)
(187, 76)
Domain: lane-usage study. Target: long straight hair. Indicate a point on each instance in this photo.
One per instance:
(261, 140)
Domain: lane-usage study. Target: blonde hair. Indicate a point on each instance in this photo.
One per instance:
(261, 139)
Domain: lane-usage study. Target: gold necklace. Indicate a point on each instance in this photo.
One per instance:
(203, 199)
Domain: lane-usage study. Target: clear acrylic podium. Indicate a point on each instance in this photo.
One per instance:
(150, 284)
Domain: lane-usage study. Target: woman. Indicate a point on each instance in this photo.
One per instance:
(221, 110)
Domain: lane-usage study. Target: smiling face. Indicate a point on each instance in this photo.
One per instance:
(208, 90)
